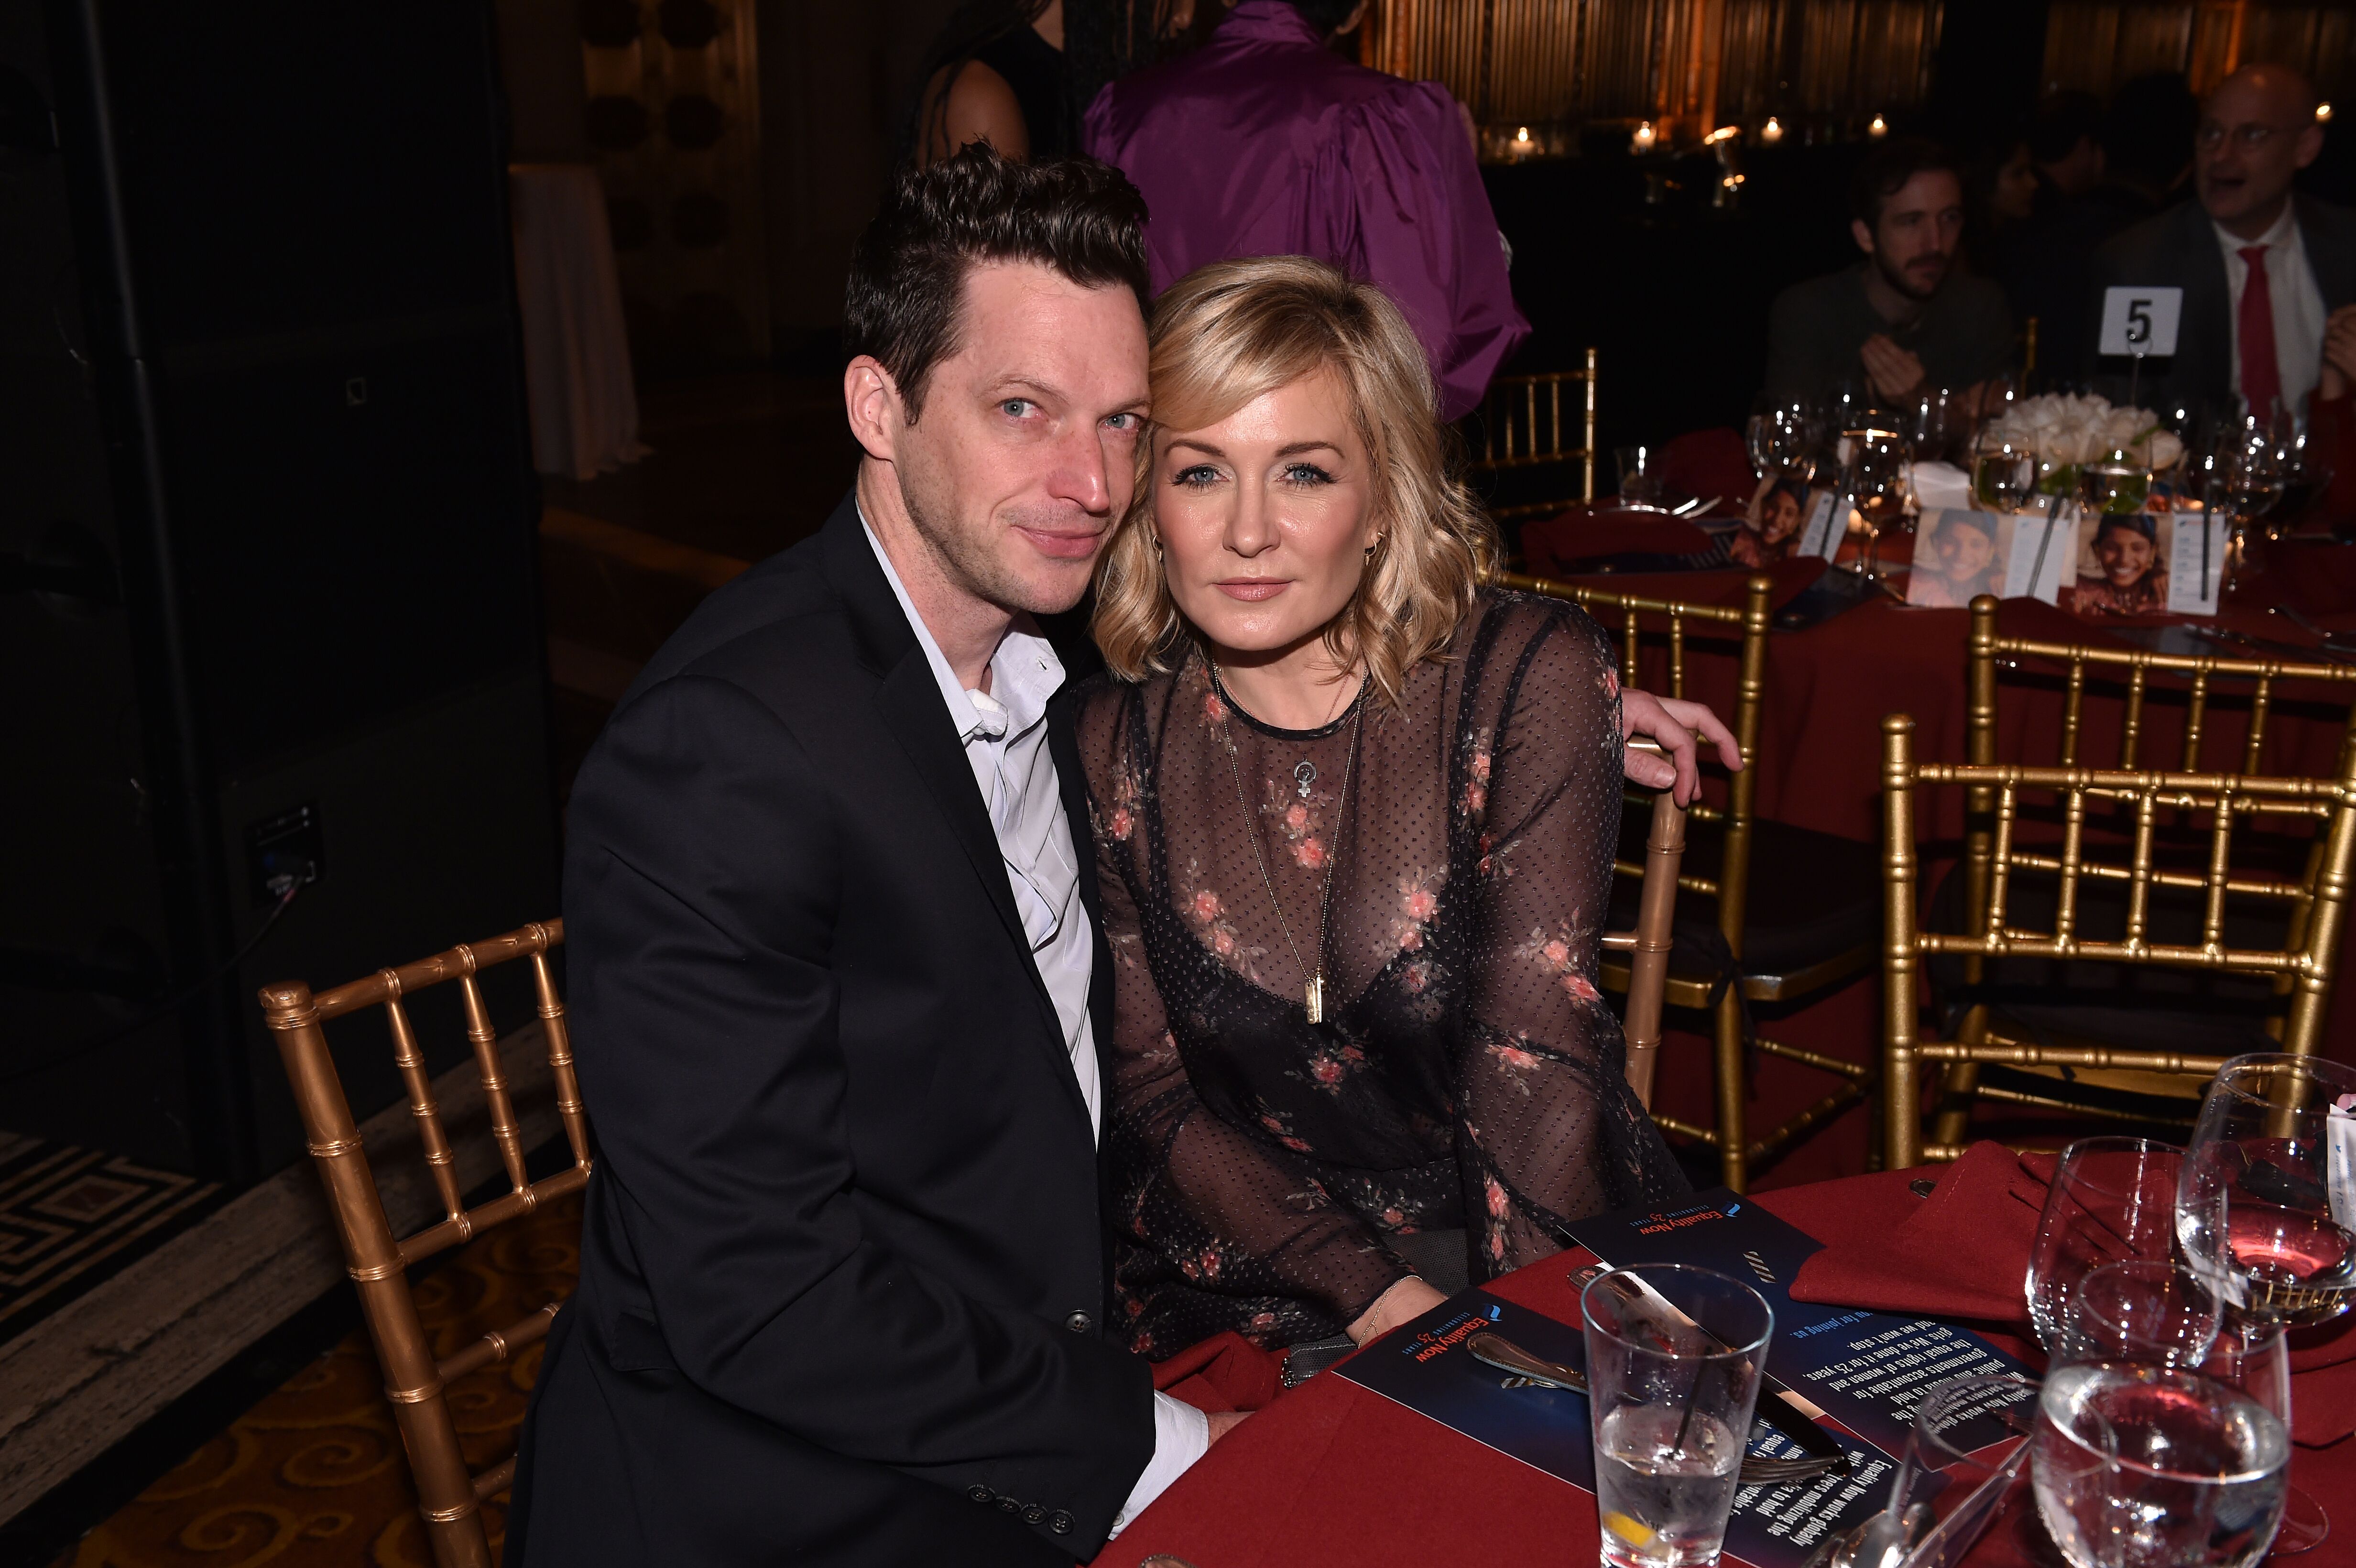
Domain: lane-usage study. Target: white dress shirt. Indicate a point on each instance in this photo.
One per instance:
(2298, 300)
(1004, 732)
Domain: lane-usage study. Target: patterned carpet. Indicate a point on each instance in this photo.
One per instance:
(313, 1477)
(70, 1217)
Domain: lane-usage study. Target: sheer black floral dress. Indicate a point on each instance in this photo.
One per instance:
(1466, 1071)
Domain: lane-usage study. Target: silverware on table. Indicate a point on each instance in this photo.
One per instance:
(2338, 642)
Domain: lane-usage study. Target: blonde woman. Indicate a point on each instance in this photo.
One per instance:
(1355, 816)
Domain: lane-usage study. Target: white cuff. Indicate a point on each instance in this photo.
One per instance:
(1182, 1435)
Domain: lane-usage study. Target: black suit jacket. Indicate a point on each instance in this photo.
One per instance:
(843, 1278)
(2179, 248)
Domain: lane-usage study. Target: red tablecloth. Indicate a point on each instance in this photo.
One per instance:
(1331, 1474)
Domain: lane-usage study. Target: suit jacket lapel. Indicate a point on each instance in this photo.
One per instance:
(910, 701)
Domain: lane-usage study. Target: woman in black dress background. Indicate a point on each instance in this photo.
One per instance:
(1355, 817)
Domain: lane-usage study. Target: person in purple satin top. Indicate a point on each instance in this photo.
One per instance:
(1265, 142)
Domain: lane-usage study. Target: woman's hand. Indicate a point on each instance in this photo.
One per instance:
(1673, 724)
(1410, 1298)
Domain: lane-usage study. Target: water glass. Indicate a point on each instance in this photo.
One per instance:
(2115, 483)
(2144, 1466)
(1674, 1356)
(2145, 1310)
(1967, 1489)
(1640, 475)
(2112, 1198)
(2004, 473)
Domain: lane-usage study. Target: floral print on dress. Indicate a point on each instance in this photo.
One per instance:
(1120, 821)
(1419, 906)
(1329, 1070)
(1560, 954)
(1208, 912)
(1474, 800)
(1299, 818)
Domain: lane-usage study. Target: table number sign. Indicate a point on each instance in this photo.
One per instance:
(2141, 321)
(2198, 544)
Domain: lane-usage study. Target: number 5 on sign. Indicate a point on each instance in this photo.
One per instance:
(2141, 321)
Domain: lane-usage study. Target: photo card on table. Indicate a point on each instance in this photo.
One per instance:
(1960, 554)
(2123, 563)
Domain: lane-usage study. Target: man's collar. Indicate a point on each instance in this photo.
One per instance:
(1023, 667)
(2284, 229)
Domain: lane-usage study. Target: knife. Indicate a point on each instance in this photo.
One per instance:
(1782, 1409)
(1827, 1457)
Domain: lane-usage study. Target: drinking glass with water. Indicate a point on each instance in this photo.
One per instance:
(2150, 1467)
(1674, 1356)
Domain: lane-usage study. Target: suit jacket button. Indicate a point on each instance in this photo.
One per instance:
(980, 1493)
(1079, 1323)
(1008, 1505)
(1034, 1514)
(1060, 1522)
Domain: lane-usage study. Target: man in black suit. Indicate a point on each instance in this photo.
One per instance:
(835, 974)
(2263, 269)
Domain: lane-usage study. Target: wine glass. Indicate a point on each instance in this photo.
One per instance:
(2111, 1199)
(1879, 489)
(2146, 1310)
(2115, 483)
(1782, 436)
(2004, 472)
(2256, 1216)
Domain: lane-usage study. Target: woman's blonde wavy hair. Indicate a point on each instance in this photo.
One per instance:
(1224, 334)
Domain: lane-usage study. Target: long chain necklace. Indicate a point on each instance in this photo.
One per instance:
(1313, 990)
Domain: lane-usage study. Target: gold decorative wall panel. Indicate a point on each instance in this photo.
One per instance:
(2094, 44)
(1687, 65)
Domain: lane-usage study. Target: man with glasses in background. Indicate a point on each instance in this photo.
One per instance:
(2266, 271)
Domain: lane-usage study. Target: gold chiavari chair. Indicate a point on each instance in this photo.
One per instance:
(1647, 946)
(2305, 960)
(1807, 926)
(1520, 426)
(2131, 672)
(448, 1495)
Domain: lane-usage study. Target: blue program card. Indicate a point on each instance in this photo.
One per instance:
(1425, 1366)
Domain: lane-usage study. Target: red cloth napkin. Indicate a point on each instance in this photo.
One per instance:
(1224, 1372)
(1964, 1253)
(1552, 545)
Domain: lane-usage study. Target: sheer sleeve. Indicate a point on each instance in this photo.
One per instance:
(1550, 1129)
(1212, 1208)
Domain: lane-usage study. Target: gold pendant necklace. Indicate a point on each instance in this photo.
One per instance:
(1313, 989)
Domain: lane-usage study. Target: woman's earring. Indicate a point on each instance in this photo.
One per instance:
(1157, 544)
(1370, 549)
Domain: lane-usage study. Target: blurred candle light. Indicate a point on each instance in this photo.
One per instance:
(1523, 135)
(1771, 133)
(2322, 114)
(1644, 137)
(1878, 128)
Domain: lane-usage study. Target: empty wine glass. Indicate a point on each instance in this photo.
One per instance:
(1879, 489)
(2146, 1310)
(1782, 437)
(2004, 472)
(2256, 1216)
(2112, 1199)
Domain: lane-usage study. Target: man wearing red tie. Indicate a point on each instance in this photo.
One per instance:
(2264, 272)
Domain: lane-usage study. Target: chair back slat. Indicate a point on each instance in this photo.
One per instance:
(1521, 426)
(449, 1496)
(1648, 965)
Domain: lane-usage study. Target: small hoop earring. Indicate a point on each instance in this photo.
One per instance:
(1157, 544)
(1372, 548)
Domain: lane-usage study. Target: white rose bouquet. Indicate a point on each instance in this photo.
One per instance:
(2068, 430)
